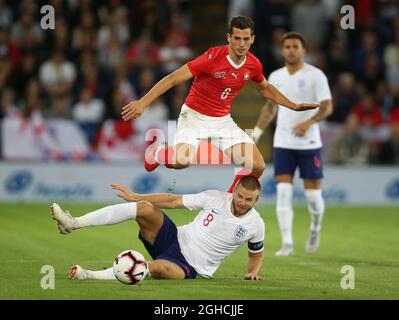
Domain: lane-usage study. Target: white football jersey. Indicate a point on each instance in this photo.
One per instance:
(307, 85)
(215, 232)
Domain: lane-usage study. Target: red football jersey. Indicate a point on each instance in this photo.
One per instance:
(217, 80)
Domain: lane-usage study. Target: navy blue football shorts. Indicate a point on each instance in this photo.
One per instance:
(166, 246)
(309, 162)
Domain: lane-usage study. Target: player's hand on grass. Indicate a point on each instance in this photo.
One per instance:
(306, 106)
(125, 193)
(253, 276)
(132, 110)
(301, 129)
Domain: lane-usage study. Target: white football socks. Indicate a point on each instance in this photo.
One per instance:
(285, 214)
(108, 215)
(107, 274)
(316, 208)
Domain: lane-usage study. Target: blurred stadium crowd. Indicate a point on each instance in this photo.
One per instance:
(62, 90)
(101, 55)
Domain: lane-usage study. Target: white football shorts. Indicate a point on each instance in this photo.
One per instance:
(223, 132)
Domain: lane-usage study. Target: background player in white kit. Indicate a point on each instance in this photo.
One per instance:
(226, 221)
(297, 141)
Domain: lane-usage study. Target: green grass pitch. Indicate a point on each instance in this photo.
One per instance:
(366, 238)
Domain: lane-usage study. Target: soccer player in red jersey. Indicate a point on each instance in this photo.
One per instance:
(219, 75)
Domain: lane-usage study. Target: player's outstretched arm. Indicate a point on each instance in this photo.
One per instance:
(271, 92)
(326, 108)
(161, 200)
(266, 116)
(136, 108)
(254, 264)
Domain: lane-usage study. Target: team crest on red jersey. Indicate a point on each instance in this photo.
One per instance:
(220, 75)
(246, 76)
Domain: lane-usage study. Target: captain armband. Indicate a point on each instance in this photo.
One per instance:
(255, 247)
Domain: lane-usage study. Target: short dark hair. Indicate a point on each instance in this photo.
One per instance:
(250, 183)
(241, 22)
(293, 35)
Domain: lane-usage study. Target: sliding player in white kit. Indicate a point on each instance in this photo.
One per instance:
(297, 141)
(226, 221)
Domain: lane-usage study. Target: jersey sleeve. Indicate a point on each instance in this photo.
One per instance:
(201, 64)
(258, 77)
(255, 244)
(322, 89)
(272, 78)
(199, 200)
